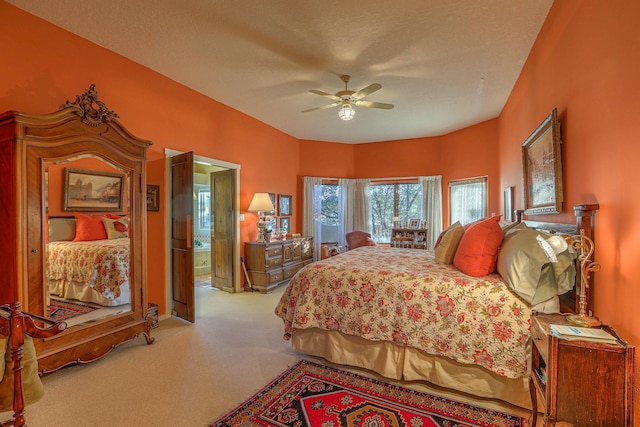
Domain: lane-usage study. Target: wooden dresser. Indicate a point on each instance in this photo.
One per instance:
(269, 264)
(583, 383)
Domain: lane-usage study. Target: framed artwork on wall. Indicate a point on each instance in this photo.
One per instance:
(272, 196)
(285, 224)
(542, 167)
(508, 204)
(284, 205)
(153, 198)
(92, 191)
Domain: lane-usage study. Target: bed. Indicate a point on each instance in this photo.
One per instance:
(93, 270)
(403, 315)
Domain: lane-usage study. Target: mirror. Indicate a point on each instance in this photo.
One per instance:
(87, 241)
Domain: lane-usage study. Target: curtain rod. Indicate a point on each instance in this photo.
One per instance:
(377, 179)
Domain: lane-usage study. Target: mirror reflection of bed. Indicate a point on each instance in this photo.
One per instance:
(87, 265)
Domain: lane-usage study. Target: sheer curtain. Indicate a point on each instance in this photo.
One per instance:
(362, 209)
(353, 207)
(346, 208)
(432, 206)
(311, 211)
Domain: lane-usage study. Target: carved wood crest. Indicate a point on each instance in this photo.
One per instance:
(92, 111)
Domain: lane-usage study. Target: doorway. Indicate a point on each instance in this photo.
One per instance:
(209, 256)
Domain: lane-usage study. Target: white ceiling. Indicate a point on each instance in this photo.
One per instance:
(445, 64)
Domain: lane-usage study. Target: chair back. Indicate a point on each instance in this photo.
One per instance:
(358, 238)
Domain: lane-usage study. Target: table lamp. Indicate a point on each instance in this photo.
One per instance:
(261, 203)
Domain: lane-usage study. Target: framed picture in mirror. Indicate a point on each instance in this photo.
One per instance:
(92, 191)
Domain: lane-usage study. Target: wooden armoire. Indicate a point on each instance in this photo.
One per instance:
(31, 146)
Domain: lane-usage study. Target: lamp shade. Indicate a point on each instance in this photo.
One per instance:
(261, 202)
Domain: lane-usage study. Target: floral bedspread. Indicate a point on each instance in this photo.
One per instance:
(404, 296)
(101, 264)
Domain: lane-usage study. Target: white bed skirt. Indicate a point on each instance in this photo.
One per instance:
(408, 364)
(69, 289)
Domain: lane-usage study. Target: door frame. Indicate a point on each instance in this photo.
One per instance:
(168, 153)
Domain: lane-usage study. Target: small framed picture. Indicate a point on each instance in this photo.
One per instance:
(153, 198)
(272, 196)
(285, 224)
(414, 223)
(284, 205)
(508, 204)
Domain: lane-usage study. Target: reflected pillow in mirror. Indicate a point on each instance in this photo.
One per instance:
(116, 228)
(89, 227)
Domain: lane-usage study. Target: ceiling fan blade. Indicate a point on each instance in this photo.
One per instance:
(368, 104)
(366, 91)
(328, 95)
(323, 107)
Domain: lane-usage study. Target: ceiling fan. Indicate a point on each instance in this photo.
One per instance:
(348, 99)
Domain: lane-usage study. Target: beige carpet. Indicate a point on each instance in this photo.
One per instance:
(190, 376)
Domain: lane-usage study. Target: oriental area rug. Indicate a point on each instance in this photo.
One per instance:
(313, 395)
(62, 310)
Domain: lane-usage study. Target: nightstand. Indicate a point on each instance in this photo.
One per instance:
(584, 383)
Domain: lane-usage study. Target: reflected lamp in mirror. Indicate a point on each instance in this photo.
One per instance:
(261, 203)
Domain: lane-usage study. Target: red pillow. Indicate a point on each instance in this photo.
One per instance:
(89, 227)
(479, 247)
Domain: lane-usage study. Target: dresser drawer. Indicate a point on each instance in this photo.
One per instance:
(289, 272)
(275, 251)
(260, 278)
(274, 262)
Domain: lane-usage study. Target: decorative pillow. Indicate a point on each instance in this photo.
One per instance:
(508, 228)
(116, 228)
(447, 243)
(89, 227)
(564, 267)
(62, 229)
(479, 246)
(525, 267)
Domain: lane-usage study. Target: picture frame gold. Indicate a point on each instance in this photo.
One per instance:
(92, 191)
(542, 168)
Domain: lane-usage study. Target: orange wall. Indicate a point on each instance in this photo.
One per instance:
(585, 62)
(467, 153)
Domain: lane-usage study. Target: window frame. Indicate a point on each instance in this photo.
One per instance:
(466, 181)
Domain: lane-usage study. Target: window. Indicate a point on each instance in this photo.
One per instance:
(391, 200)
(204, 216)
(329, 213)
(468, 199)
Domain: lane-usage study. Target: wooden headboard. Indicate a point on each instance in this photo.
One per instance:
(585, 221)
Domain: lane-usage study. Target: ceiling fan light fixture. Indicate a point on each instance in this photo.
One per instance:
(346, 112)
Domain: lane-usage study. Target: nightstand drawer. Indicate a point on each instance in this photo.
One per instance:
(540, 339)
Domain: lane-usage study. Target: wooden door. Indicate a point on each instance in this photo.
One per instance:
(182, 236)
(222, 228)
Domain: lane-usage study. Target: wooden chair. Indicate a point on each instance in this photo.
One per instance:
(403, 242)
(18, 327)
